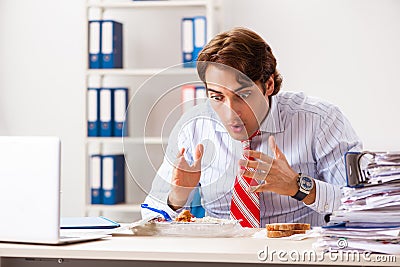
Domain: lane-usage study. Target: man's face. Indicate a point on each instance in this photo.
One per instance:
(239, 102)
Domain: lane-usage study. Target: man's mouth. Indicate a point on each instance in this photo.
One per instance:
(236, 127)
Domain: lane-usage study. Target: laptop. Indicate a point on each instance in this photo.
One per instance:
(30, 191)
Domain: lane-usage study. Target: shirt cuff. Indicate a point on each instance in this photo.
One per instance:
(170, 211)
(327, 197)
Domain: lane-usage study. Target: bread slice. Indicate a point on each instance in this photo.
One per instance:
(277, 234)
(287, 226)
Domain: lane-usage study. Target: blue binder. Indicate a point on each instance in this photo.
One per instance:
(187, 42)
(200, 34)
(194, 36)
(120, 126)
(96, 179)
(111, 44)
(106, 112)
(95, 44)
(93, 111)
(113, 183)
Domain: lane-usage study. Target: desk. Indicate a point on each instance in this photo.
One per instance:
(161, 251)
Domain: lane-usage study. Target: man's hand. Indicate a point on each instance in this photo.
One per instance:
(185, 177)
(279, 177)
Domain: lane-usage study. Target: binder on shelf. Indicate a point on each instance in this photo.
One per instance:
(93, 111)
(187, 42)
(200, 94)
(111, 44)
(106, 112)
(194, 35)
(120, 112)
(95, 44)
(113, 182)
(200, 34)
(188, 97)
(95, 179)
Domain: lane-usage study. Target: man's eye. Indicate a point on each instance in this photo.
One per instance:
(244, 95)
(216, 97)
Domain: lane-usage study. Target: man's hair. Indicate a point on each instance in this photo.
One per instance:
(244, 50)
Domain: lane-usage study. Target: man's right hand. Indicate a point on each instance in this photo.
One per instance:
(185, 177)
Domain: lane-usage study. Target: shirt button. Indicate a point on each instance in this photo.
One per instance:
(326, 206)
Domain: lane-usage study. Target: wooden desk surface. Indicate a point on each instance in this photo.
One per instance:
(227, 250)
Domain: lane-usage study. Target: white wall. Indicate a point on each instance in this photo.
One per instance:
(345, 51)
(42, 81)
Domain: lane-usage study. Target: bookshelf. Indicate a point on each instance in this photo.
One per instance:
(147, 130)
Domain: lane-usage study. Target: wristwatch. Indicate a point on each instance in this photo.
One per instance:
(305, 184)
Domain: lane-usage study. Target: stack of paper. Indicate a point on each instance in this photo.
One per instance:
(381, 167)
(369, 217)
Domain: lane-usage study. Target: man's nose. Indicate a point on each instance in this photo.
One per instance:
(234, 108)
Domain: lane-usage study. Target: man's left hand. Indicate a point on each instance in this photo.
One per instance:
(279, 177)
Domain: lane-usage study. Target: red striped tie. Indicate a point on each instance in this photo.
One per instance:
(245, 206)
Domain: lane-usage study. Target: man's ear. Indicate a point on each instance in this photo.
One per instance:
(270, 85)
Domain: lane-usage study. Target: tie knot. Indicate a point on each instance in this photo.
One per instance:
(251, 137)
(246, 143)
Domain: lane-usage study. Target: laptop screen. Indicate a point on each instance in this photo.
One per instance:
(29, 189)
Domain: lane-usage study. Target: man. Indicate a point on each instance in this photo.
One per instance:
(294, 150)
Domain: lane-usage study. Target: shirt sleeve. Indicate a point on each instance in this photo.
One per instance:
(161, 186)
(327, 197)
(334, 137)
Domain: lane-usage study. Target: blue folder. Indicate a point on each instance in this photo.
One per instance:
(111, 44)
(93, 111)
(96, 179)
(113, 179)
(95, 44)
(106, 112)
(87, 223)
(120, 127)
(194, 37)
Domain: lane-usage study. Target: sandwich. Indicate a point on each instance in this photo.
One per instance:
(276, 230)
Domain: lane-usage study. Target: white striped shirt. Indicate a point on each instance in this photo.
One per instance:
(314, 135)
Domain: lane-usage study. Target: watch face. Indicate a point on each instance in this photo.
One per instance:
(306, 183)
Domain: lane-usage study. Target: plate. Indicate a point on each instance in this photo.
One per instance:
(189, 229)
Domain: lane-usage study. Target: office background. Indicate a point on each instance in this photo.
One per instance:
(343, 51)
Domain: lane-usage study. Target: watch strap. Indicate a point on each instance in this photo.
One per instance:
(299, 195)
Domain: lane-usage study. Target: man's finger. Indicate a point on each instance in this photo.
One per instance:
(197, 157)
(277, 152)
(258, 165)
(259, 188)
(180, 152)
(254, 174)
(258, 155)
(199, 152)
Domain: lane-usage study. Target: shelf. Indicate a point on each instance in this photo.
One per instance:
(117, 207)
(147, 4)
(131, 140)
(142, 72)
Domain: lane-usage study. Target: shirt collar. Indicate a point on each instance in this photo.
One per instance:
(273, 121)
(271, 124)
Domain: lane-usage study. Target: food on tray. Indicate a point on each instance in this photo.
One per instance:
(186, 225)
(185, 216)
(276, 230)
